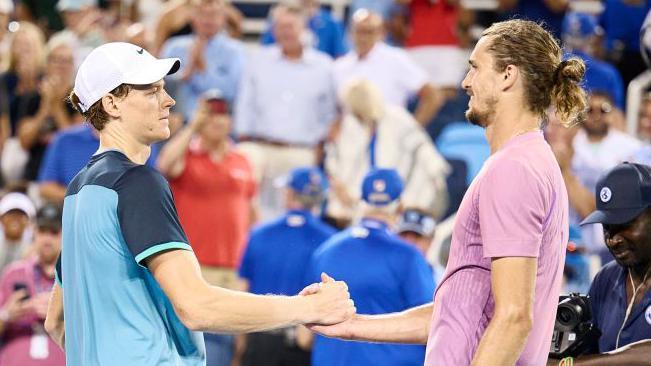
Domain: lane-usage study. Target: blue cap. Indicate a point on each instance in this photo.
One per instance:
(416, 221)
(580, 25)
(381, 187)
(307, 181)
(622, 194)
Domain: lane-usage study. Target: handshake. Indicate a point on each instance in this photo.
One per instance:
(328, 303)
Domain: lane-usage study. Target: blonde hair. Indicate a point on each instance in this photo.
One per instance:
(363, 99)
(35, 34)
(547, 79)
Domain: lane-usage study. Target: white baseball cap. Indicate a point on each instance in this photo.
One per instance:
(17, 201)
(112, 64)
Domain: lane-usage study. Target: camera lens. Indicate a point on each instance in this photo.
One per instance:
(569, 315)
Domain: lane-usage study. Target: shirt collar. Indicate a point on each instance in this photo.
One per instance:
(306, 57)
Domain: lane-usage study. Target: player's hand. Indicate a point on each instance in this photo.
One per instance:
(331, 304)
(341, 330)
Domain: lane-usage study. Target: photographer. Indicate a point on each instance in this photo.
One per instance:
(620, 293)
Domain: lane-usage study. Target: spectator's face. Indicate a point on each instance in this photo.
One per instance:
(24, 50)
(644, 126)
(208, 19)
(217, 128)
(422, 243)
(145, 113)
(596, 123)
(366, 33)
(47, 244)
(14, 224)
(480, 83)
(60, 62)
(287, 30)
(630, 243)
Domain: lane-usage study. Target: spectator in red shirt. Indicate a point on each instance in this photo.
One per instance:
(213, 187)
(24, 294)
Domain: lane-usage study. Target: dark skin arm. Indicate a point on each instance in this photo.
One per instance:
(635, 354)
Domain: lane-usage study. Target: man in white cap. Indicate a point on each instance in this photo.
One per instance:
(16, 212)
(133, 289)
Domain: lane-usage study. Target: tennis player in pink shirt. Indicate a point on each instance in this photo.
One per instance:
(496, 303)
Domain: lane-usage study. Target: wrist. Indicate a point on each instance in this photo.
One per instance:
(304, 309)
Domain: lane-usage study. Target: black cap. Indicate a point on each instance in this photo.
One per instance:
(623, 193)
(416, 221)
(49, 217)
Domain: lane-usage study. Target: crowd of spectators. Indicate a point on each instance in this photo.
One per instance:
(335, 98)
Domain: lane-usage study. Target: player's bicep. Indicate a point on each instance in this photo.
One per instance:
(513, 281)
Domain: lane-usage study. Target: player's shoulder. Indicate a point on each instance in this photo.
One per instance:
(141, 176)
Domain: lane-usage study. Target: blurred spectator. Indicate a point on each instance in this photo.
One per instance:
(434, 41)
(16, 212)
(6, 11)
(324, 32)
(378, 62)
(550, 12)
(177, 15)
(596, 148)
(384, 275)
(213, 189)
(644, 123)
(26, 63)
(373, 134)
(622, 21)
(24, 293)
(276, 260)
(41, 12)
(576, 273)
(418, 228)
(286, 105)
(83, 26)
(47, 109)
(381, 7)
(67, 153)
(581, 33)
(209, 58)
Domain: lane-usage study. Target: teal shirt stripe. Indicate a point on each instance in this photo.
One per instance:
(57, 279)
(161, 247)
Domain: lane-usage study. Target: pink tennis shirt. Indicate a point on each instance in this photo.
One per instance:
(516, 207)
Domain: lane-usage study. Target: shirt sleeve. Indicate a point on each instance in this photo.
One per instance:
(147, 215)
(511, 211)
(412, 76)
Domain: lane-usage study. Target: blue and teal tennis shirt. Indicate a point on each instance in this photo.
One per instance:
(116, 214)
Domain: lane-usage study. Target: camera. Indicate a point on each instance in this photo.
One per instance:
(574, 332)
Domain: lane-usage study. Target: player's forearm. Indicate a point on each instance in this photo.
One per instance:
(408, 327)
(494, 348)
(227, 311)
(174, 150)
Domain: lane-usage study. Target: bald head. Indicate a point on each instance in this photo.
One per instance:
(368, 29)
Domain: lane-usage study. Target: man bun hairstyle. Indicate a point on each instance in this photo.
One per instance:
(547, 80)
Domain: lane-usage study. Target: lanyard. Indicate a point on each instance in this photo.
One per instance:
(371, 148)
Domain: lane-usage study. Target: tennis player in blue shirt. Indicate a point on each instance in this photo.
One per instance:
(129, 290)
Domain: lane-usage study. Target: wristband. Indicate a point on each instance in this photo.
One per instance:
(567, 361)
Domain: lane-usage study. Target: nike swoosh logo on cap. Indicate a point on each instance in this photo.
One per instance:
(140, 51)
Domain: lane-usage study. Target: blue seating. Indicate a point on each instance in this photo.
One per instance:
(463, 141)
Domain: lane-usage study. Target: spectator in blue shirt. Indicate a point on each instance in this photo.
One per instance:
(276, 259)
(384, 274)
(621, 292)
(209, 58)
(622, 21)
(66, 155)
(326, 33)
(580, 34)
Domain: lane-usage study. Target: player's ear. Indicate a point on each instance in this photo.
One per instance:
(111, 105)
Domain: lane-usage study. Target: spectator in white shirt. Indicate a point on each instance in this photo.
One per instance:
(390, 68)
(373, 134)
(285, 106)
